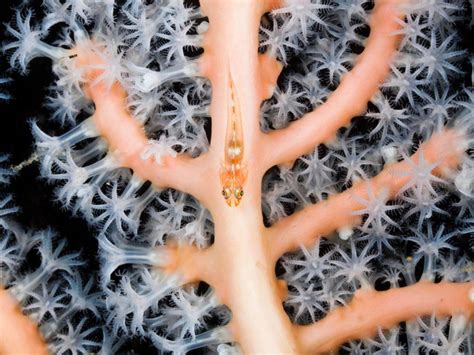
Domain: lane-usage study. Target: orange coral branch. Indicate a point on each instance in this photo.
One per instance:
(18, 334)
(350, 98)
(270, 69)
(371, 309)
(336, 212)
(126, 136)
(189, 263)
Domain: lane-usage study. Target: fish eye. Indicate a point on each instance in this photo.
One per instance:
(239, 193)
(226, 193)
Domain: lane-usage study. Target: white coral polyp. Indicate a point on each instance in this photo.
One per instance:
(160, 149)
(464, 181)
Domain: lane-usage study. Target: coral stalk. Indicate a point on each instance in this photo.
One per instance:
(18, 333)
(337, 212)
(126, 136)
(371, 309)
(350, 98)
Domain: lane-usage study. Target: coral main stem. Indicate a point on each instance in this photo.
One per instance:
(246, 280)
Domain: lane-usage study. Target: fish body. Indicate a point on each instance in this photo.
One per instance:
(233, 171)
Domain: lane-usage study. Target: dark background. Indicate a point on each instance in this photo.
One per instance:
(31, 193)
